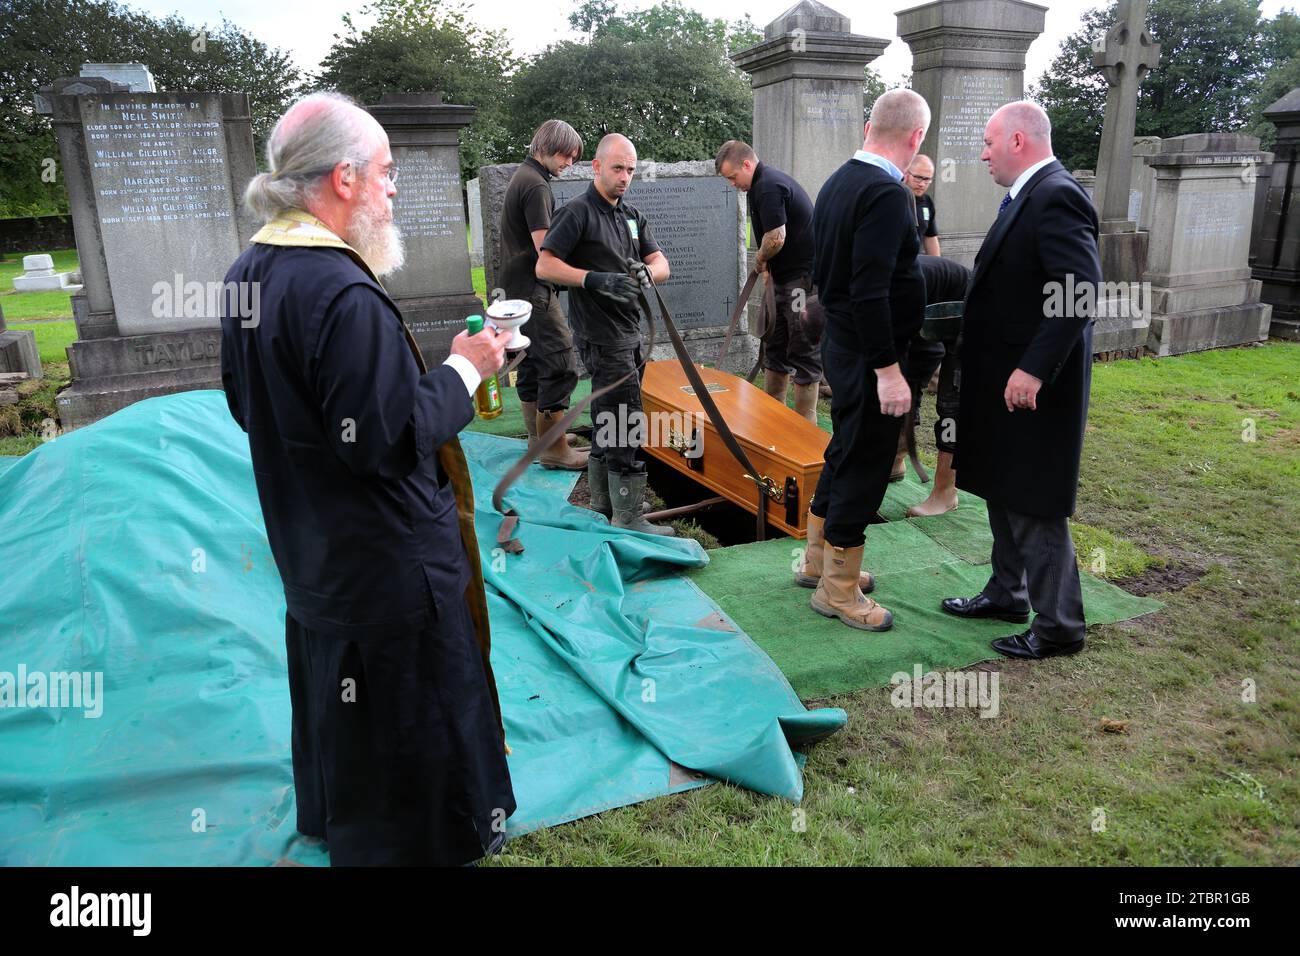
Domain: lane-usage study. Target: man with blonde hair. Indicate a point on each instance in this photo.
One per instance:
(549, 372)
(398, 747)
(873, 294)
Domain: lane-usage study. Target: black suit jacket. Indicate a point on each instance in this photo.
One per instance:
(1029, 307)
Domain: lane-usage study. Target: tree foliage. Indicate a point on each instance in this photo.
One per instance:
(660, 76)
(43, 40)
(1215, 58)
(418, 46)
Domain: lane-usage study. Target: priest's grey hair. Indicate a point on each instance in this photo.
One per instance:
(314, 135)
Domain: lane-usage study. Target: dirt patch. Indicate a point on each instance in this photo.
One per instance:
(581, 495)
(1161, 579)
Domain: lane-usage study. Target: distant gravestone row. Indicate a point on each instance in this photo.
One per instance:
(1205, 225)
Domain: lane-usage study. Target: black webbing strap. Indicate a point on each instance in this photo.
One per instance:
(506, 539)
(710, 407)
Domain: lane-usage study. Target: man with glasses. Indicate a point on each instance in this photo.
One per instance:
(398, 748)
(918, 178)
(923, 356)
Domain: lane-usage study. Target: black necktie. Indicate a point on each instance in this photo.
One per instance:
(1006, 201)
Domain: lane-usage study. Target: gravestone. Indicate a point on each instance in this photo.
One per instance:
(698, 219)
(807, 75)
(968, 58)
(18, 351)
(1124, 55)
(39, 276)
(134, 76)
(1277, 245)
(1142, 182)
(434, 289)
(474, 202)
(1086, 178)
(154, 185)
(1202, 293)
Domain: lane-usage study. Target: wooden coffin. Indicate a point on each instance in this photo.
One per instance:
(785, 447)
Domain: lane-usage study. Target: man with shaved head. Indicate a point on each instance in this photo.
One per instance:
(596, 244)
(873, 295)
(398, 748)
(1026, 373)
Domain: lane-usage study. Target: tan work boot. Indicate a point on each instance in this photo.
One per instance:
(838, 594)
(809, 574)
(943, 494)
(805, 401)
(776, 384)
(559, 455)
(529, 410)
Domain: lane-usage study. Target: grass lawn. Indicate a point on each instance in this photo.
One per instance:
(34, 305)
(1201, 777)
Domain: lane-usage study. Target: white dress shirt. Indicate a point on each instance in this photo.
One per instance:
(1025, 176)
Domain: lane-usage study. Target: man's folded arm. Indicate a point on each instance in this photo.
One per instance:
(1067, 246)
(380, 415)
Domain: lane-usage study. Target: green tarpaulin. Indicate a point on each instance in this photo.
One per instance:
(134, 550)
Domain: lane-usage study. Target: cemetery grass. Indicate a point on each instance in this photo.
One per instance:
(35, 305)
(1199, 777)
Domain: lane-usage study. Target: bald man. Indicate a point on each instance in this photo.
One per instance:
(398, 749)
(873, 294)
(919, 178)
(1026, 373)
(595, 245)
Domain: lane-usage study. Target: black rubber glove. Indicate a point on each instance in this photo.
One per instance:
(619, 287)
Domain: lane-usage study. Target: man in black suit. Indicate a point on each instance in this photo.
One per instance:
(1026, 371)
(873, 296)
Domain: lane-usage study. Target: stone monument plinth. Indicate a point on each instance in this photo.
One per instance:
(807, 75)
(1202, 293)
(968, 58)
(1277, 254)
(434, 289)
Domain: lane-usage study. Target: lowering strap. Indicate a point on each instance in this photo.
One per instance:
(506, 539)
(766, 319)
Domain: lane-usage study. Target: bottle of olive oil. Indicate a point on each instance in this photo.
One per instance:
(487, 400)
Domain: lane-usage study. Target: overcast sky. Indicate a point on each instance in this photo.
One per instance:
(306, 29)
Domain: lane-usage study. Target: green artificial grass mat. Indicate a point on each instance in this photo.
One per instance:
(754, 585)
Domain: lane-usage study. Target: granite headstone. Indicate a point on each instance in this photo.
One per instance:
(154, 185)
(434, 289)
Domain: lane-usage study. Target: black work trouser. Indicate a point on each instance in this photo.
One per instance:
(793, 342)
(548, 374)
(614, 416)
(860, 454)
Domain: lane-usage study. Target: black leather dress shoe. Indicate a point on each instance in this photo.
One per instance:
(1029, 646)
(980, 606)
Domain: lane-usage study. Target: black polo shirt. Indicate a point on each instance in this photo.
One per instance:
(925, 225)
(589, 233)
(526, 208)
(776, 200)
